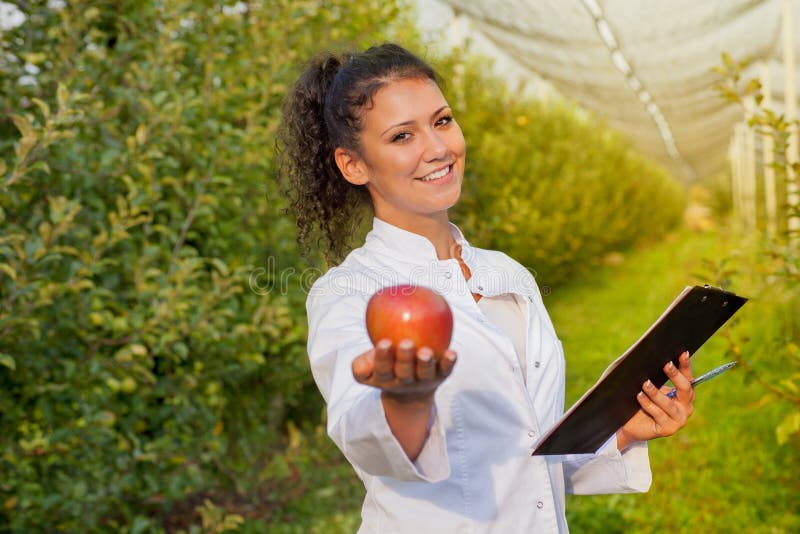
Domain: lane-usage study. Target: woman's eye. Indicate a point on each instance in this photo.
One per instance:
(402, 136)
(445, 119)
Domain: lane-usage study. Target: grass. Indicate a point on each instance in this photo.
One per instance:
(723, 473)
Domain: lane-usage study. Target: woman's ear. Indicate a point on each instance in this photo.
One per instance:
(351, 166)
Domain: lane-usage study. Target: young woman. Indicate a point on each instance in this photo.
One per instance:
(442, 445)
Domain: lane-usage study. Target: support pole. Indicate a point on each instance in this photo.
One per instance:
(749, 174)
(736, 172)
(768, 148)
(457, 30)
(458, 41)
(792, 194)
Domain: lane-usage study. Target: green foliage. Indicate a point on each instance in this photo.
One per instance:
(216, 521)
(775, 273)
(767, 347)
(549, 186)
(725, 471)
(139, 365)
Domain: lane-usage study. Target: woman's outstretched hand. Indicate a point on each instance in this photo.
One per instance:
(408, 378)
(660, 415)
(405, 372)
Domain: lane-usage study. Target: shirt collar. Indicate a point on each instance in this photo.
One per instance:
(406, 245)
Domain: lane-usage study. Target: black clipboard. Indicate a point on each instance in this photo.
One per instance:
(686, 324)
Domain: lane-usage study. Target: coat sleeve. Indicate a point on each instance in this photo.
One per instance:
(356, 420)
(608, 470)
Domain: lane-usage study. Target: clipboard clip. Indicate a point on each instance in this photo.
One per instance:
(717, 288)
(704, 298)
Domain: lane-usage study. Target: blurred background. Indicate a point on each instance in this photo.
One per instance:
(153, 371)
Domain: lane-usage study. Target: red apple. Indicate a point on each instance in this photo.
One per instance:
(410, 312)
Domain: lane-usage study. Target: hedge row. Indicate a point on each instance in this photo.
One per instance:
(152, 332)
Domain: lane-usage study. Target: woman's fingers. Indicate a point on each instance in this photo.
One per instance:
(682, 382)
(426, 364)
(686, 366)
(404, 363)
(446, 362)
(668, 413)
(384, 361)
(363, 366)
(402, 368)
(659, 416)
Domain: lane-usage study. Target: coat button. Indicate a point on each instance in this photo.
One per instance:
(539, 505)
(480, 288)
(448, 275)
(532, 434)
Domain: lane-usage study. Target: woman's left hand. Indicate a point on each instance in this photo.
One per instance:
(660, 415)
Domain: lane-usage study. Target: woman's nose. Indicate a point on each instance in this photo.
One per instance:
(435, 147)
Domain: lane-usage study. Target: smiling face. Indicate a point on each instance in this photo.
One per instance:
(412, 153)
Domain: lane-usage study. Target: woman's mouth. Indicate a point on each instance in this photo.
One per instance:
(439, 177)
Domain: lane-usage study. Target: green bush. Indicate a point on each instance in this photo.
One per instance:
(553, 188)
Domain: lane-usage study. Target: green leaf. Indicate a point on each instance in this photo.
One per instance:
(181, 350)
(8, 361)
(40, 166)
(35, 57)
(42, 105)
(726, 58)
(764, 401)
(6, 268)
(140, 524)
(141, 134)
(106, 418)
(790, 425)
(61, 96)
(752, 86)
(24, 147)
(789, 385)
(24, 125)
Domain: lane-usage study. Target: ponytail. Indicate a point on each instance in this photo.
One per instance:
(324, 111)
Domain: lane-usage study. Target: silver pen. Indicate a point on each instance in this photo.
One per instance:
(706, 376)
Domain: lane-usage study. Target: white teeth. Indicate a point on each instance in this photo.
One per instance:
(435, 175)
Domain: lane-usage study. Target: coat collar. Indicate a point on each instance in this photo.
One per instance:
(408, 246)
(492, 273)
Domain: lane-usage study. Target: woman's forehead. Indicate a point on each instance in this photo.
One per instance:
(406, 99)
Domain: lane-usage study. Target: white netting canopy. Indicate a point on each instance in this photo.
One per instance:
(643, 64)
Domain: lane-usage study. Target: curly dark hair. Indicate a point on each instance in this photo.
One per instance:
(322, 112)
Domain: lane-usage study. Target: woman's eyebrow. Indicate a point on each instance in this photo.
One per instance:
(406, 123)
